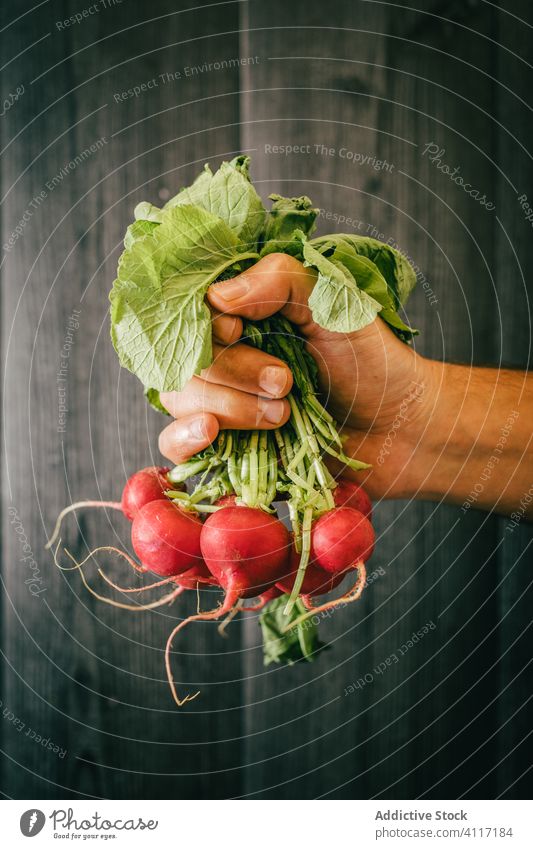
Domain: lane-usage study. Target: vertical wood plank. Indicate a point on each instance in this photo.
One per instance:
(406, 81)
(449, 717)
(89, 677)
(514, 246)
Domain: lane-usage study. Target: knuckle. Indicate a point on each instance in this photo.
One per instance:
(276, 263)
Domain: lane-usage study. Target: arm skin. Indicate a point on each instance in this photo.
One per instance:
(431, 430)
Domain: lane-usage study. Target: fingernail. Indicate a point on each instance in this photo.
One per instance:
(272, 411)
(196, 430)
(230, 290)
(273, 380)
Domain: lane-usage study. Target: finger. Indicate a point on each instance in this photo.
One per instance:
(186, 436)
(245, 368)
(232, 408)
(278, 282)
(227, 329)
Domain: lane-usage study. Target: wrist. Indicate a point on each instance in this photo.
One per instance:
(470, 450)
(420, 431)
(401, 446)
(436, 444)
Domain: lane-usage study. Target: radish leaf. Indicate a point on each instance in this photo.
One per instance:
(160, 325)
(287, 218)
(341, 303)
(393, 265)
(229, 194)
(299, 643)
(337, 302)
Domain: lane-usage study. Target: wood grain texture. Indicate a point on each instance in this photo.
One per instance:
(451, 717)
(89, 676)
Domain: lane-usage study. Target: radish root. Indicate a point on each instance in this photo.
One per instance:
(231, 615)
(113, 505)
(143, 589)
(61, 568)
(167, 599)
(229, 604)
(352, 595)
(130, 560)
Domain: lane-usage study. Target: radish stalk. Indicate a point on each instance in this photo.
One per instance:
(304, 560)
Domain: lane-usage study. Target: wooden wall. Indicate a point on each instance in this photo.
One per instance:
(452, 718)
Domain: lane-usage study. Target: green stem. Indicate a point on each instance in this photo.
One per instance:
(304, 560)
(272, 474)
(181, 473)
(282, 448)
(298, 457)
(306, 434)
(245, 478)
(233, 474)
(295, 524)
(228, 446)
(356, 465)
(253, 463)
(262, 468)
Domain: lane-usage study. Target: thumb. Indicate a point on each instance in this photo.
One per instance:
(277, 283)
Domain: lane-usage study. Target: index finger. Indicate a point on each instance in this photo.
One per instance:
(277, 283)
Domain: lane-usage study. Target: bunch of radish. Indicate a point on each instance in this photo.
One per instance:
(245, 551)
(212, 520)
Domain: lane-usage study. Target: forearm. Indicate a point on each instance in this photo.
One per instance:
(477, 447)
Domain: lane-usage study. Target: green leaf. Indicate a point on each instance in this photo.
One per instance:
(152, 396)
(160, 325)
(393, 265)
(337, 303)
(138, 230)
(299, 643)
(229, 194)
(287, 215)
(378, 270)
(287, 221)
(370, 278)
(145, 211)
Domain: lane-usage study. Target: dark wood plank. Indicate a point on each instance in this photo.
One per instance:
(451, 717)
(91, 677)
(514, 256)
(424, 728)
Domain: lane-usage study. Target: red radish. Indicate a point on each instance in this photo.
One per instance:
(227, 501)
(269, 595)
(341, 539)
(245, 549)
(166, 539)
(144, 486)
(197, 576)
(350, 494)
(316, 580)
(264, 598)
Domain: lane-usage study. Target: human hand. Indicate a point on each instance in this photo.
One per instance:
(374, 384)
